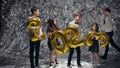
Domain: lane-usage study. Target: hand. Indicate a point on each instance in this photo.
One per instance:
(49, 34)
(37, 28)
(39, 37)
(101, 37)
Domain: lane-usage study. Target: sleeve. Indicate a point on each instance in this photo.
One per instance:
(101, 23)
(108, 20)
(40, 31)
(71, 23)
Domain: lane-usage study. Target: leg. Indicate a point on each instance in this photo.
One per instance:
(97, 58)
(51, 51)
(51, 54)
(107, 47)
(78, 55)
(113, 44)
(37, 53)
(91, 56)
(32, 54)
(106, 52)
(70, 56)
(56, 58)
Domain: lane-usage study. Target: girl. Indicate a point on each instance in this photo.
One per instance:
(94, 49)
(51, 27)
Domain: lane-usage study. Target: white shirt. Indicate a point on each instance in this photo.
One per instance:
(108, 26)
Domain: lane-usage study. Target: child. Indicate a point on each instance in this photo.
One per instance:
(75, 22)
(52, 25)
(107, 26)
(94, 48)
(34, 26)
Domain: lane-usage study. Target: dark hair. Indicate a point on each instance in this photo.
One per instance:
(34, 8)
(51, 26)
(107, 9)
(97, 28)
(77, 14)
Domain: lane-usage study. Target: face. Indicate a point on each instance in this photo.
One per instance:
(77, 18)
(105, 13)
(94, 27)
(37, 12)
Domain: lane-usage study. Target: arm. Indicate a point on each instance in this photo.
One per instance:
(92, 35)
(34, 27)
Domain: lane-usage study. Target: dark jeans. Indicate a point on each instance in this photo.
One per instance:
(34, 46)
(71, 53)
(111, 41)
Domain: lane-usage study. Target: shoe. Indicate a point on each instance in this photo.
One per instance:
(50, 64)
(69, 66)
(79, 66)
(103, 57)
(37, 65)
(92, 62)
(56, 62)
(118, 50)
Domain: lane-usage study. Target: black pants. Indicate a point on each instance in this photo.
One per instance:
(34, 46)
(111, 41)
(71, 53)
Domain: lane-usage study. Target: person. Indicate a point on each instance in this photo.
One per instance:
(107, 26)
(75, 23)
(94, 48)
(52, 25)
(34, 26)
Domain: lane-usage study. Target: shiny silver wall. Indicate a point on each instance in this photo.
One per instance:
(13, 35)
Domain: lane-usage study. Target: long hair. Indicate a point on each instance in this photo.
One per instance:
(51, 26)
(97, 28)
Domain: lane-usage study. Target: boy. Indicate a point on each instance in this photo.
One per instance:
(75, 22)
(107, 26)
(34, 26)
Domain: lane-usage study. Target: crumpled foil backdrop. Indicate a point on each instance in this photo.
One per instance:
(14, 13)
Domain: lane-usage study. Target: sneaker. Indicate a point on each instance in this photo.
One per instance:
(91, 62)
(118, 50)
(79, 66)
(56, 62)
(50, 64)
